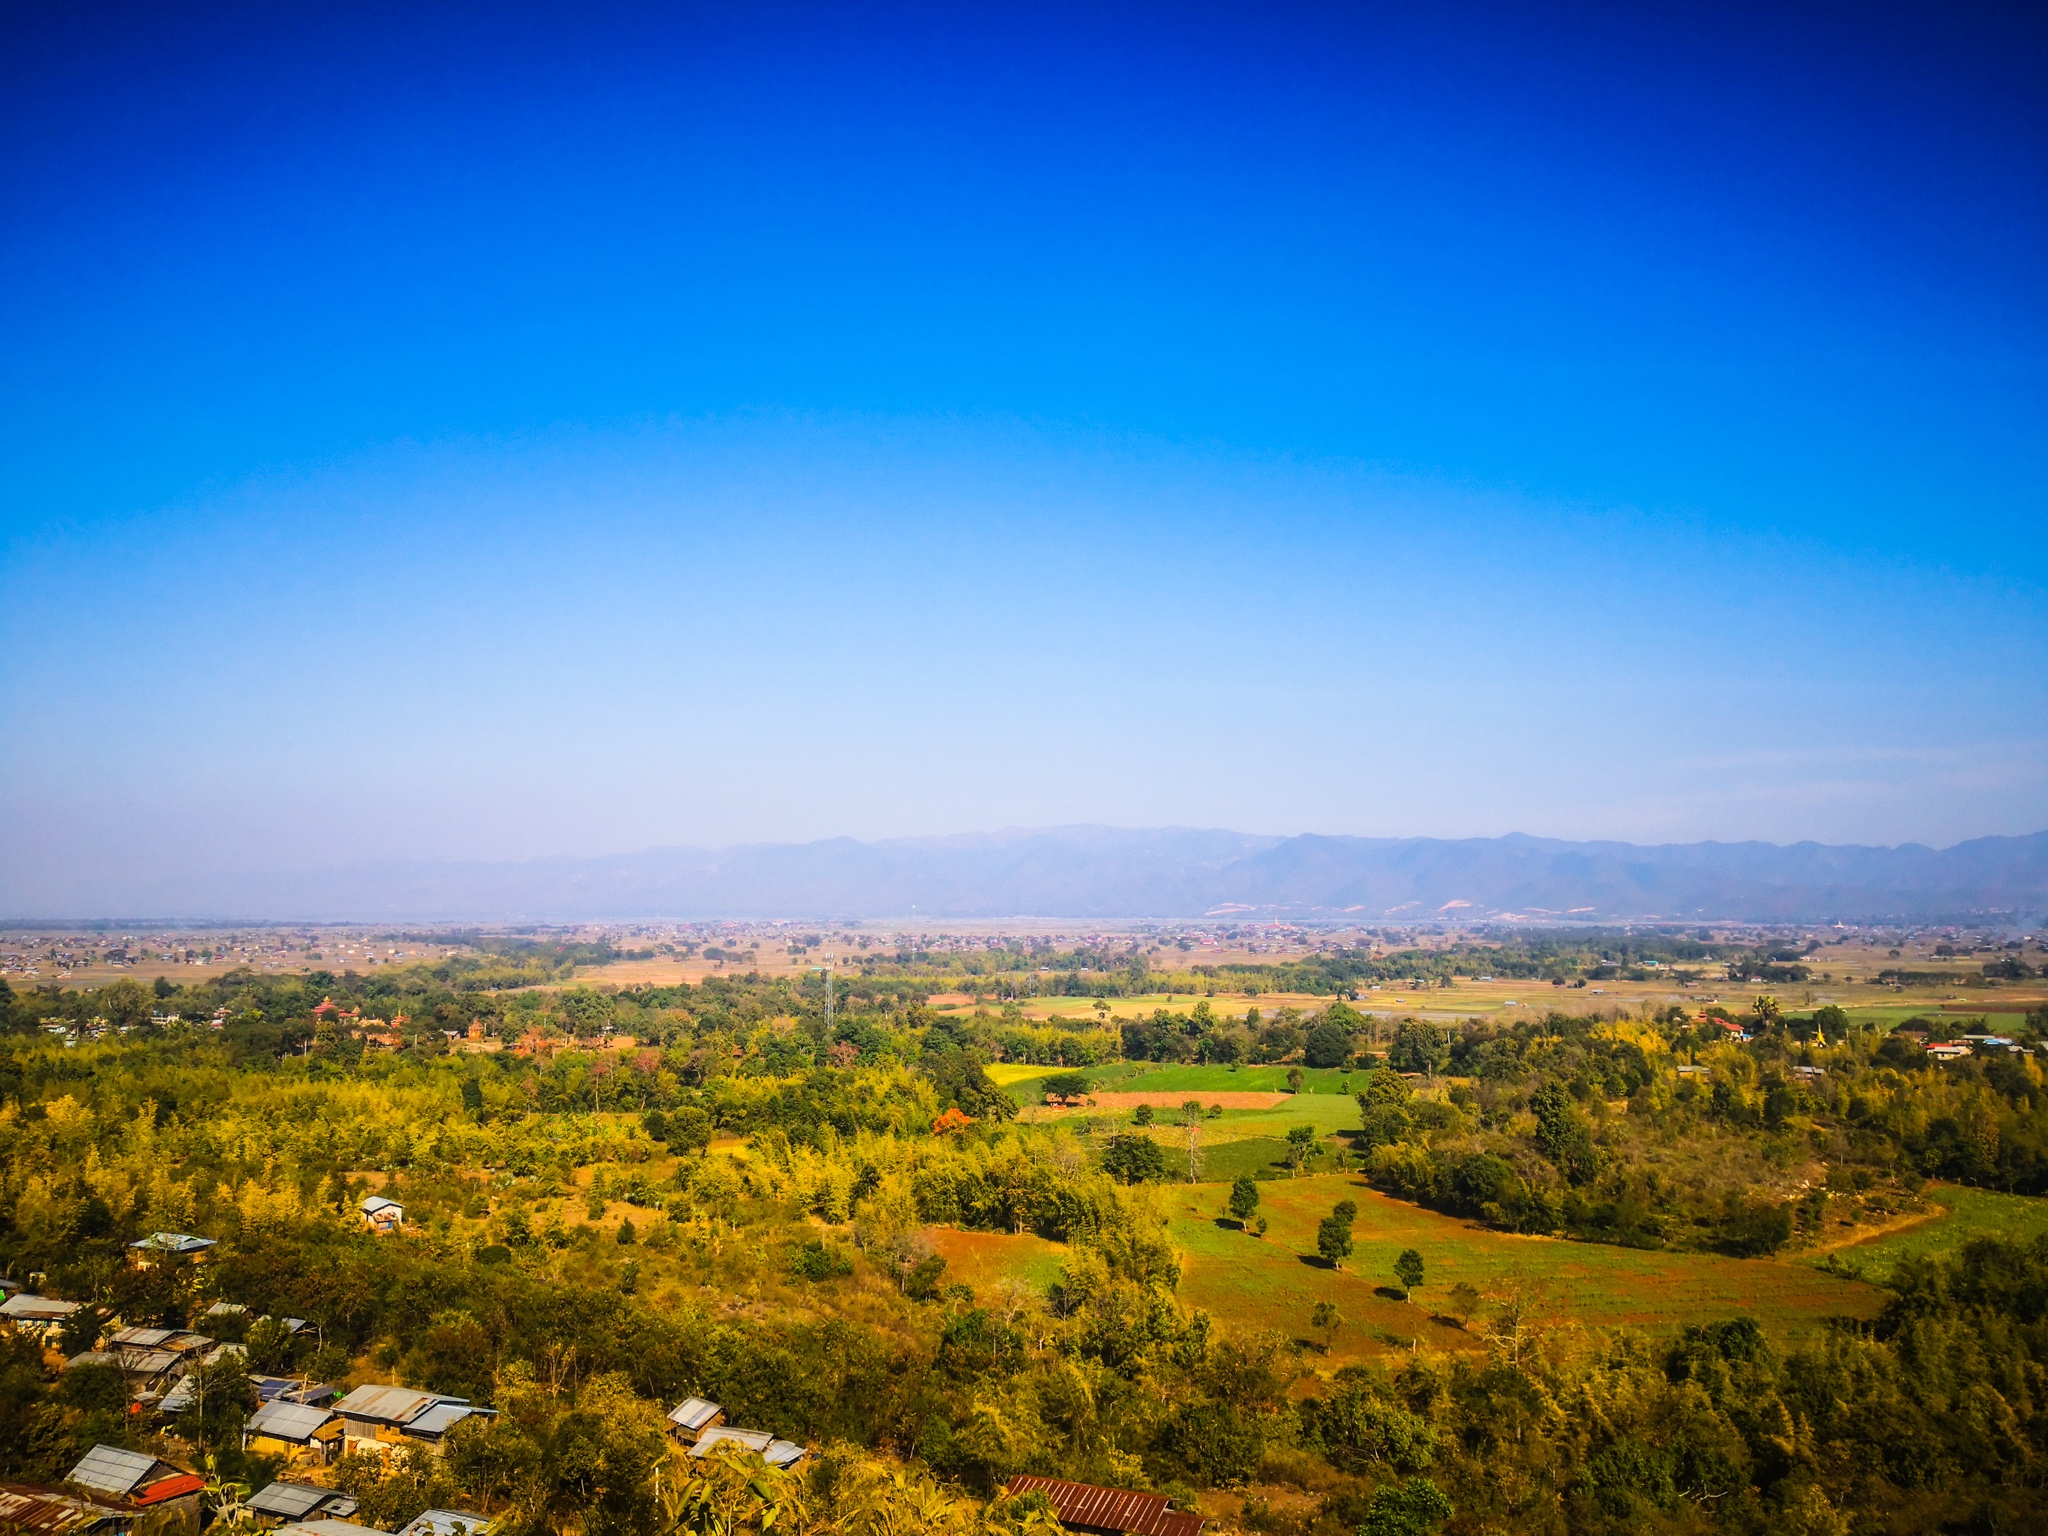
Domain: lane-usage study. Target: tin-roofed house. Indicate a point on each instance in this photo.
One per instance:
(297, 1431)
(29, 1510)
(382, 1216)
(327, 1525)
(692, 1416)
(777, 1453)
(137, 1481)
(40, 1317)
(285, 1503)
(447, 1522)
(169, 1248)
(1109, 1511)
(152, 1359)
(379, 1419)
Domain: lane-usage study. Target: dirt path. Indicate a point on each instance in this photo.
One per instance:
(1858, 1235)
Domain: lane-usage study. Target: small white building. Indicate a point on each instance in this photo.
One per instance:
(381, 1215)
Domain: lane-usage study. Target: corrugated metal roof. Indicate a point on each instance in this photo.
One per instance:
(693, 1412)
(448, 1522)
(390, 1405)
(36, 1511)
(327, 1528)
(144, 1338)
(174, 1242)
(108, 1469)
(176, 1486)
(1110, 1509)
(289, 1421)
(441, 1418)
(41, 1309)
(372, 1204)
(295, 1501)
(136, 1362)
(777, 1453)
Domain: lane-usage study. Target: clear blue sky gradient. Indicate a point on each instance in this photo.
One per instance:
(524, 431)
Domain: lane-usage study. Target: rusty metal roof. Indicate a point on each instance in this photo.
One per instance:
(34, 1511)
(1110, 1509)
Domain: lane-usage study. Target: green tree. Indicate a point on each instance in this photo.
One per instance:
(1144, 1115)
(1066, 1086)
(1333, 1238)
(1301, 1145)
(1408, 1270)
(223, 1398)
(1329, 1045)
(1411, 1508)
(269, 1347)
(1132, 1158)
(1244, 1197)
(1294, 1079)
(1326, 1320)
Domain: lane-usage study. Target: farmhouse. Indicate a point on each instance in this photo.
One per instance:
(1109, 1511)
(378, 1419)
(284, 1428)
(169, 1248)
(284, 1503)
(777, 1453)
(36, 1511)
(40, 1317)
(381, 1215)
(136, 1481)
(691, 1417)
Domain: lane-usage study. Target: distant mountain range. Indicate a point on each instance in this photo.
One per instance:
(1107, 872)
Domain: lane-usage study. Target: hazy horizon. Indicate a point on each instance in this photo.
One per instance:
(1113, 873)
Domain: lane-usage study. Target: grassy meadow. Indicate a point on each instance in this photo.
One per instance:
(1959, 1213)
(1274, 1282)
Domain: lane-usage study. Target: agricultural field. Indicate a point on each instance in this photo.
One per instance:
(1958, 1214)
(1276, 1281)
(1026, 1083)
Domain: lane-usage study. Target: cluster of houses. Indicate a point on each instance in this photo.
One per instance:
(309, 1425)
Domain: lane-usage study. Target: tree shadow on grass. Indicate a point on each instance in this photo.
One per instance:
(1315, 1261)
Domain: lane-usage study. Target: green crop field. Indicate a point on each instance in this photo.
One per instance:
(1026, 1082)
(1274, 1282)
(1963, 1214)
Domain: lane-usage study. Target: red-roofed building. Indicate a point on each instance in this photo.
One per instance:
(1109, 1511)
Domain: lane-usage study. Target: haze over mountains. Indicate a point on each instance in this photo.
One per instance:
(1107, 873)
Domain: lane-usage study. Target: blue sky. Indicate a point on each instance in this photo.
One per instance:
(524, 431)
